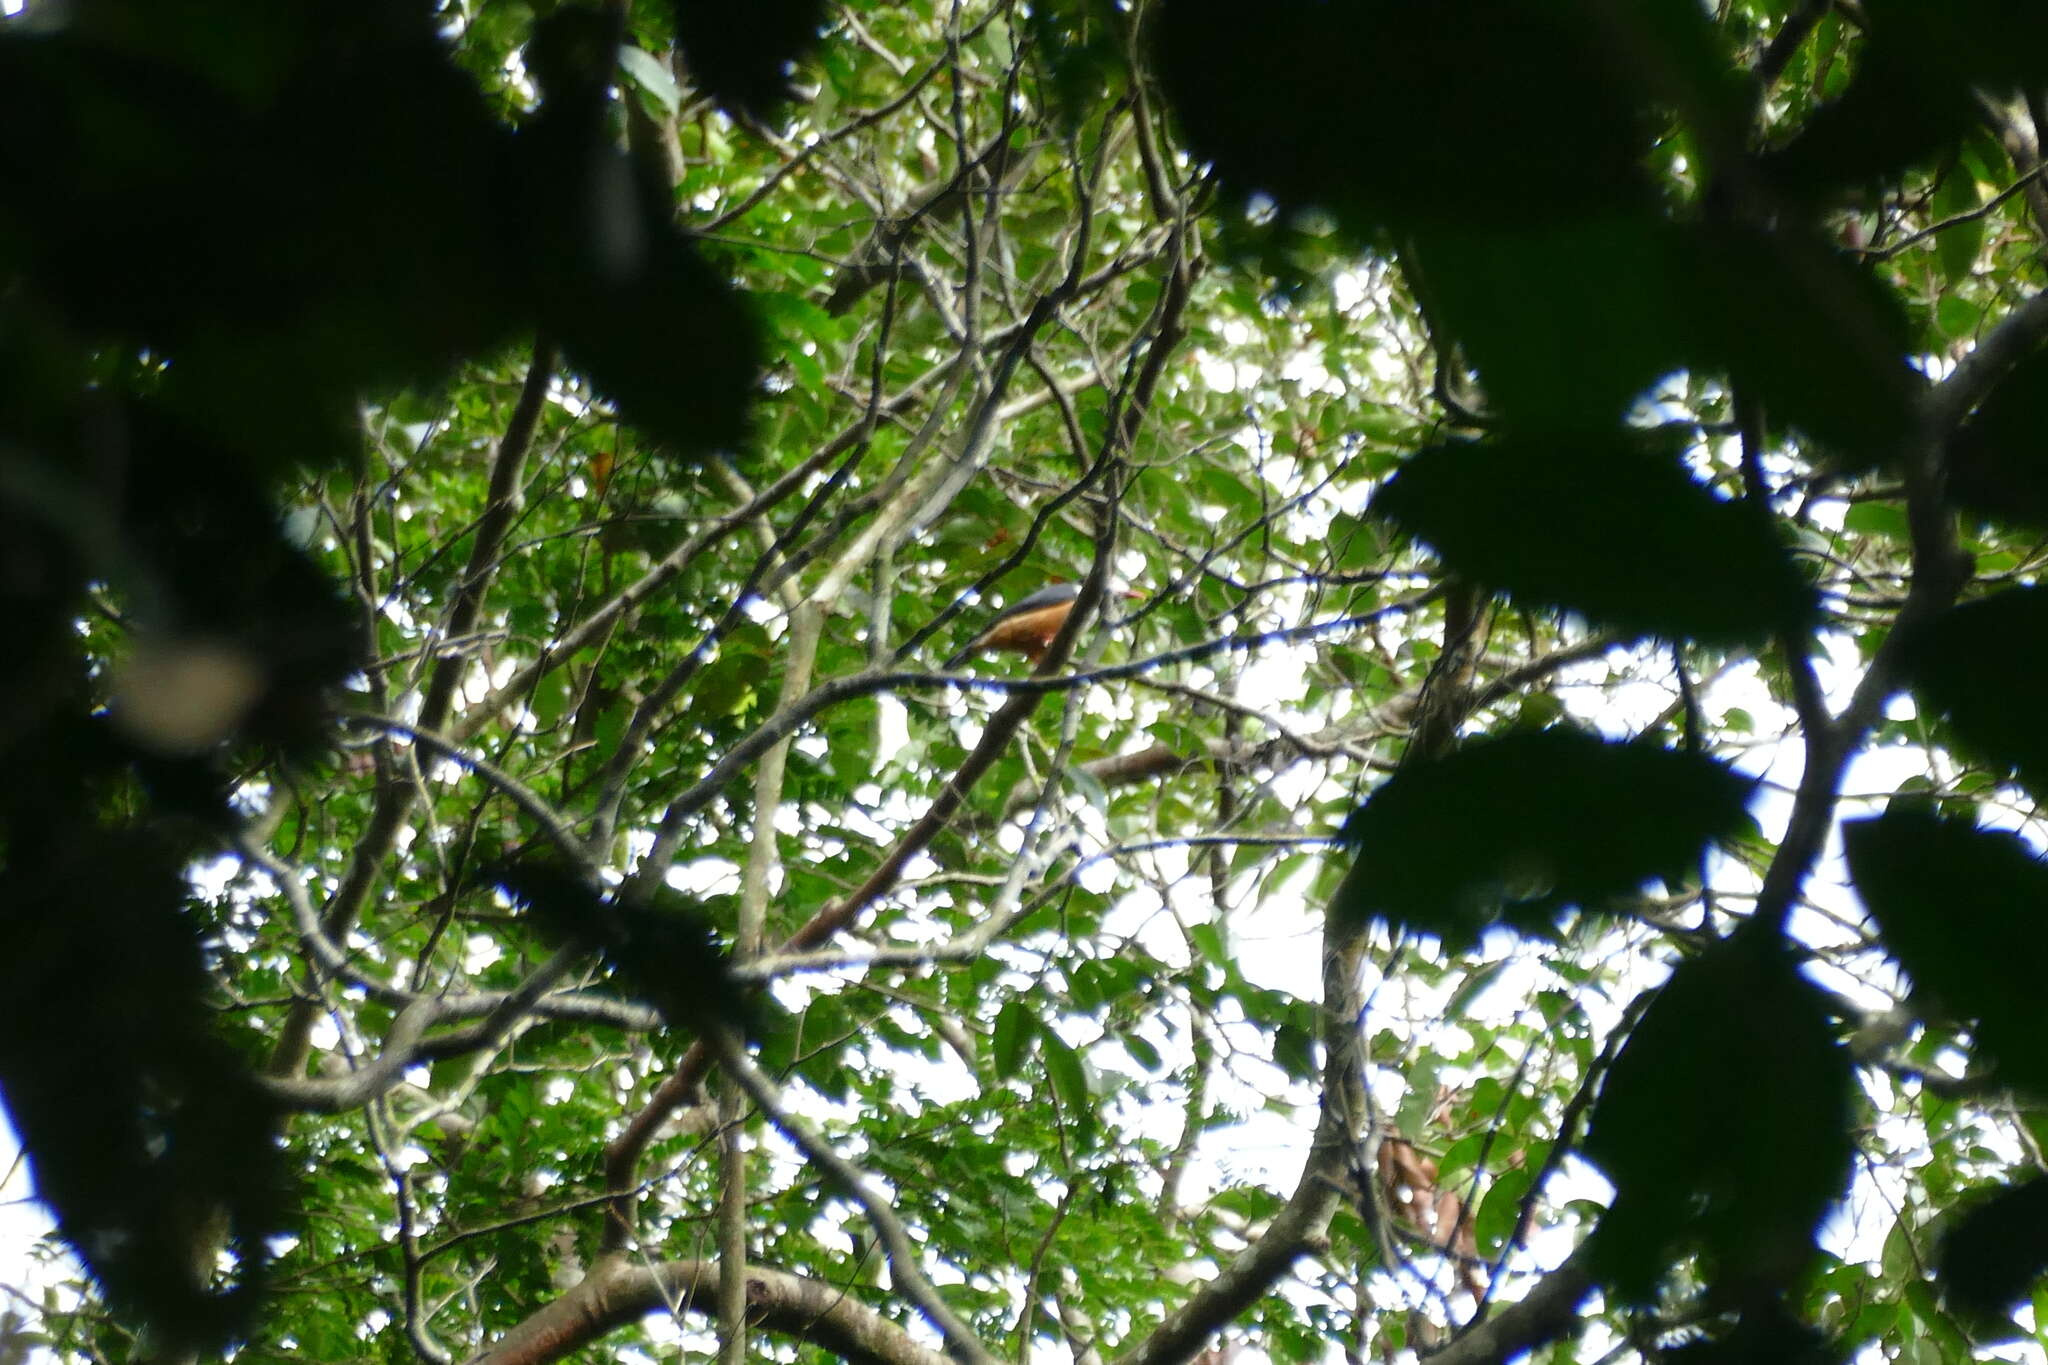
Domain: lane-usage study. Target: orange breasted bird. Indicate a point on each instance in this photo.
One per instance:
(1026, 626)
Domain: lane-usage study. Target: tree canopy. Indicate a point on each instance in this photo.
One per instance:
(1523, 838)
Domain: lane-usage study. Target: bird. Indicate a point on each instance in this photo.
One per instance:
(1026, 626)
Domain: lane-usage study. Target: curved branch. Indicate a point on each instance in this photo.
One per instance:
(358, 1087)
(508, 474)
(1545, 1313)
(1940, 569)
(540, 812)
(624, 1151)
(1949, 402)
(617, 1292)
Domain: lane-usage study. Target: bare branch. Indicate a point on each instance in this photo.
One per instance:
(617, 1292)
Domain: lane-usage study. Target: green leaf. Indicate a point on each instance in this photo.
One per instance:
(728, 682)
(1090, 787)
(1084, 988)
(1016, 1027)
(1176, 735)
(650, 74)
(550, 699)
(1355, 543)
(1957, 316)
(1294, 1051)
(1501, 1209)
(1937, 1326)
(1413, 1116)
(1142, 1052)
(1473, 985)
(1069, 1077)
(1886, 519)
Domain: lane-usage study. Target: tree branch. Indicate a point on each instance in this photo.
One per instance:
(909, 1277)
(617, 1292)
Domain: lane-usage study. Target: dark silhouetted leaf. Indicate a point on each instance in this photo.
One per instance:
(667, 340)
(1285, 101)
(1558, 277)
(1979, 666)
(1962, 909)
(210, 570)
(1914, 92)
(335, 173)
(1998, 463)
(1804, 328)
(1565, 323)
(1994, 1253)
(1999, 43)
(1565, 283)
(1568, 325)
(1765, 1334)
(666, 956)
(740, 54)
(1602, 527)
(1527, 825)
(637, 310)
(1081, 43)
(1723, 1125)
(1899, 111)
(149, 1140)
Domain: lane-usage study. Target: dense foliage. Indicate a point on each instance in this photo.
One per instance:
(1524, 840)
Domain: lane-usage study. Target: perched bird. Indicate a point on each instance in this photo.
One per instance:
(1026, 626)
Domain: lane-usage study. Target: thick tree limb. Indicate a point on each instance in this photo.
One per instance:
(358, 1087)
(617, 1292)
(1547, 1312)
